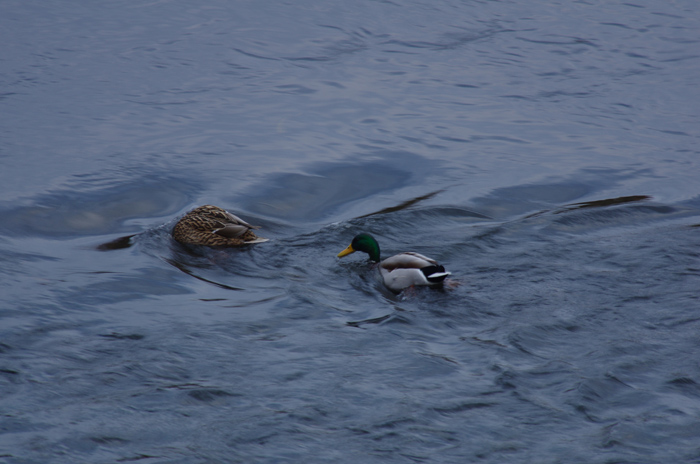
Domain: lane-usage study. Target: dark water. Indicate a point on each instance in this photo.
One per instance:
(546, 153)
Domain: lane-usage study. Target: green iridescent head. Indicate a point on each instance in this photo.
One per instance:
(363, 242)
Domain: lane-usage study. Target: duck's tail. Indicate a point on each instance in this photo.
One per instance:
(435, 274)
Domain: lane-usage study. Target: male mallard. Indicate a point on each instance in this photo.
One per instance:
(402, 270)
(212, 226)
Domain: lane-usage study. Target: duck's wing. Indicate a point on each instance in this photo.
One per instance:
(230, 230)
(235, 220)
(407, 269)
(231, 226)
(407, 260)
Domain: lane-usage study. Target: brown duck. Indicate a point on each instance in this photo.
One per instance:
(213, 226)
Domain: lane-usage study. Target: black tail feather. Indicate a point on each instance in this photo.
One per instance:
(435, 274)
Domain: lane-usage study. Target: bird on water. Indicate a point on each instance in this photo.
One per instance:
(213, 226)
(402, 270)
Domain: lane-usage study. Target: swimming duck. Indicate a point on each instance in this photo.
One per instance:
(400, 271)
(213, 226)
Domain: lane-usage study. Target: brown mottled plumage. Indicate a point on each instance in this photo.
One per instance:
(213, 226)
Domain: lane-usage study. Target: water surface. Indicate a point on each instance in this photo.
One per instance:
(546, 154)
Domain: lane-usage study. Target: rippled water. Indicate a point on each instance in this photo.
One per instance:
(545, 153)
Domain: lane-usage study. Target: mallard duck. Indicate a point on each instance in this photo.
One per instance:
(213, 226)
(400, 271)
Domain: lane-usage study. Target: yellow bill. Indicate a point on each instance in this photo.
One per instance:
(346, 251)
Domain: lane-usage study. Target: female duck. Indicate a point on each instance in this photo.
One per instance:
(402, 270)
(213, 226)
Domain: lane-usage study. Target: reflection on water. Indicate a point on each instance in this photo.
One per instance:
(324, 189)
(93, 208)
(117, 244)
(609, 202)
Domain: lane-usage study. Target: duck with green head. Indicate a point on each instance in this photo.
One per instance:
(399, 271)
